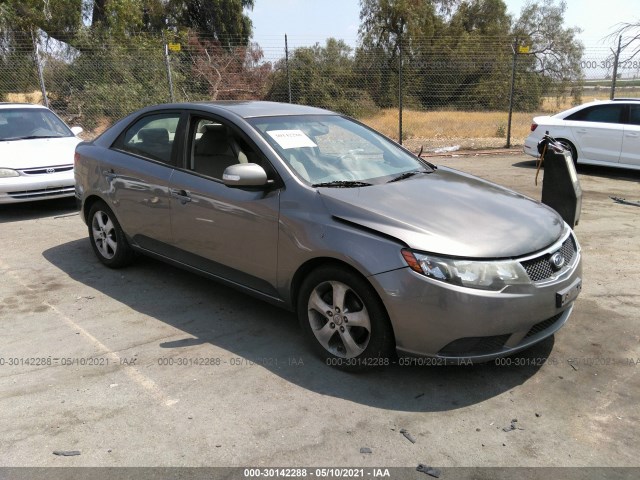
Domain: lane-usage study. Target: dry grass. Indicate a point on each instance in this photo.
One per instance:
(33, 97)
(446, 128)
(475, 130)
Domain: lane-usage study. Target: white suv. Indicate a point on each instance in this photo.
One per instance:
(597, 133)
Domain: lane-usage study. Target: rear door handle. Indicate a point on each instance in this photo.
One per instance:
(634, 135)
(582, 130)
(181, 195)
(110, 175)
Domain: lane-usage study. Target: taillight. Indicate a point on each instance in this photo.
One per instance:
(76, 160)
(534, 126)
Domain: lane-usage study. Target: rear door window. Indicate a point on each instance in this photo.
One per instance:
(599, 113)
(151, 137)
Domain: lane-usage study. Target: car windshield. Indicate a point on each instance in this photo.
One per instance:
(31, 123)
(331, 150)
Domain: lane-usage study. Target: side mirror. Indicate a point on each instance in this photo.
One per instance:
(245, 175)
(76, 130)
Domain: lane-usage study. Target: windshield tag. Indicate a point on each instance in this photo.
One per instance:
(291, 138)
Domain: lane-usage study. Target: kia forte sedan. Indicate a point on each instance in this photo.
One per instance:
(377, 250)
(36, 154)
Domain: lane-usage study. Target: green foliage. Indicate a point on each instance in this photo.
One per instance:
(322, 77)
(222, 19)
(106, 79)
(462, 58)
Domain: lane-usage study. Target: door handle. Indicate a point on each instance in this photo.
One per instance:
(634, 135)
(110, 175)
(582, 130)
(182, 195)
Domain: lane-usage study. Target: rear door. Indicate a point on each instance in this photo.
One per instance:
(630, 154)
(142, 161)
(598, 132)
(229, 232)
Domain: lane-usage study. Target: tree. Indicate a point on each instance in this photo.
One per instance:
(466, 65)
(554, 50)
(629, 35)
(223, 20)
(322, 76)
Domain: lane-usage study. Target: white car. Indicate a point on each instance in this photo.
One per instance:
(36, 154)
(597, 133)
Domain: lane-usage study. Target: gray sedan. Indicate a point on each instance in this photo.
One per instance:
(378, 251)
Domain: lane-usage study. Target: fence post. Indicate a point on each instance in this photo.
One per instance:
(168, 66)
(36, 58)
(286, 61)
(400, 83)
(616, 58)
(514, 47)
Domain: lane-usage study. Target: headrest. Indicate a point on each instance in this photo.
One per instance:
(214, 141)
(154, 135)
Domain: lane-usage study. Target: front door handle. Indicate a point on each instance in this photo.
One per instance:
(181, 195)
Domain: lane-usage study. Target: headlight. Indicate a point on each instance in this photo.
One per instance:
(485, 275)
(7, 172)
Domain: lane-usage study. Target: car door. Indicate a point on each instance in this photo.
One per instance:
(598, 132)
(141, 164)
(630, 153)
(228, 232)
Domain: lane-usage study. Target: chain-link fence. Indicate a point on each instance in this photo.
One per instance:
(483, 97)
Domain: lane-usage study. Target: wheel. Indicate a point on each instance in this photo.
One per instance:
(344, 319)
(107, 238)
(569, 146)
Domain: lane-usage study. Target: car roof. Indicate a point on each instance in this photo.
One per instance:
(566, 113)
(257, 108)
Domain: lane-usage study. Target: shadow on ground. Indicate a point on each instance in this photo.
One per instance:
(208, 312)
(17, 212)
(613, 173)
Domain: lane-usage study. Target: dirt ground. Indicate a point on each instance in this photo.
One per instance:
(154, 366)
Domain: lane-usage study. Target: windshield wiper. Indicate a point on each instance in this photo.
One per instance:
(342, 184)
(30, 137)
(404, 175)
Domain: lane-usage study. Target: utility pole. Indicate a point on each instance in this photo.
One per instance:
(514, 48)
(400, 82)
(616, 58)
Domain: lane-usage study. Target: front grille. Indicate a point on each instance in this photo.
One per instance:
(471, 346)
(42, 193)
(540, 268)
(541, 326)
(47, 170)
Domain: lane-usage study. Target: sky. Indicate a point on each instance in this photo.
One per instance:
(308, 21)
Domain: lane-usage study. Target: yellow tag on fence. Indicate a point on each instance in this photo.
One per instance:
(174, 47)
(523, 49)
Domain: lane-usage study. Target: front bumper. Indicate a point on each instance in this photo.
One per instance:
(27, 188)
(436, 319)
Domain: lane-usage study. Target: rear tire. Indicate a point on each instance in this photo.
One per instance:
(107, 238)
(344, 320)
(569, 146)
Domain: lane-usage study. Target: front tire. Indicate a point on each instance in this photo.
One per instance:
(344, 320)
(107, 238)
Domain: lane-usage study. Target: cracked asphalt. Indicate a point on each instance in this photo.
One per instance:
(154, 366)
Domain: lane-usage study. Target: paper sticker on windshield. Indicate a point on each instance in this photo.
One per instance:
(291, 138)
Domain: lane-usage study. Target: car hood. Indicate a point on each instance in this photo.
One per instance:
(449, 213)
(39, 152)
